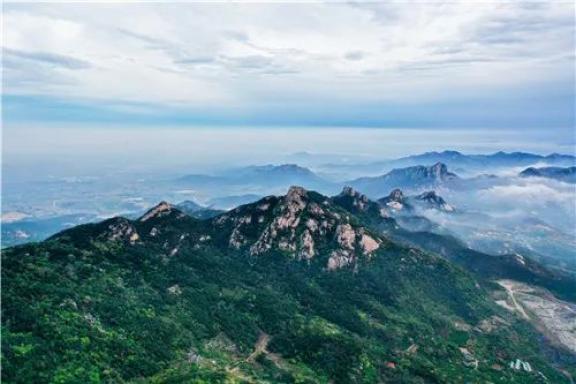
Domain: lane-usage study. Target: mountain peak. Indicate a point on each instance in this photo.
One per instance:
(567, 174)
(160, 210)
(396, 195)
(429, 195)
(188, 206)
(452, 153)
(303, 224)
(295, 193)
(395, 200)
(349, 191)
(352, 199)
(433, 200)
(439, 169)
(409, 178)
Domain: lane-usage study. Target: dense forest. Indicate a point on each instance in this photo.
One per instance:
(170, 298)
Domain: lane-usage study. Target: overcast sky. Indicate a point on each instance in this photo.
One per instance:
(457, 65)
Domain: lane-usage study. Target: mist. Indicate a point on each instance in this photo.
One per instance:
(39, 151)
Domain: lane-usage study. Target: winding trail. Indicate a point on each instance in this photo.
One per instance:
(508, 286)
(260, 346)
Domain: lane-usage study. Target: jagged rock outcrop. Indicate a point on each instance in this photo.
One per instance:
(396, 195)
(303, 224)
(357, 203)
(432, 200)
(163, 209)
(395, 201)
(359, 200)
(410, 178)
(120, 229)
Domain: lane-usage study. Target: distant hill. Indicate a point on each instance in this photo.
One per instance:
(567, 175)
(457, 161)
(197, 211)
(259, 177)
(497, 159)
(229, 202)
(410, 178)
(396, 201)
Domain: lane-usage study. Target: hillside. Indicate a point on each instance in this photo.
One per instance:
(299, 288)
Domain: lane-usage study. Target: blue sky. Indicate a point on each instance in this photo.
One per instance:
(457, 65)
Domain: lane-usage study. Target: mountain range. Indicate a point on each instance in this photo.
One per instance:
(397, 202)
(455, 158)
(410, 178)
(567, 174)
(466, 164)
(226, 189)
(294, 288)
(261, 178)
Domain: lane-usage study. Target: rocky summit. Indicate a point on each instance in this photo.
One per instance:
(299, 224)
(411, 178)
(431, 199)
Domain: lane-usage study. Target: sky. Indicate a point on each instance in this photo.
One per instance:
(458, 65)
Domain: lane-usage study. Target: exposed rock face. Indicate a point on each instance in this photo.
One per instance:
(396, 195)
(397, 203)
(237, 239)
(307, 251)
(122, 230)
(161, 210)
(439, 171)
(349, 240)
(175, 290)
(345, 236)
(294, 203)
(369, 244)
(359, 201)
(301, 223)
(431, 200)
(340, 258)
(410, 178)
(394, 201)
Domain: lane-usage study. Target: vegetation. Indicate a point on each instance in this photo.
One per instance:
(82, 308)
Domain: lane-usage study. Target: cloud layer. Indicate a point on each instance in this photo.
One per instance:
(349, 63)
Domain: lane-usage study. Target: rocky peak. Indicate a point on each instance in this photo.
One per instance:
(121, 229)
(161, 210)
(355, 198)
(433, 200)
(395, 201)
(439, 170)
(303, 224)
(295, 194)
(349, 191)
(396, 195)
(430, 196)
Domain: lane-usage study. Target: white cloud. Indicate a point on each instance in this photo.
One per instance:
(537, 193)
(206, 54)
